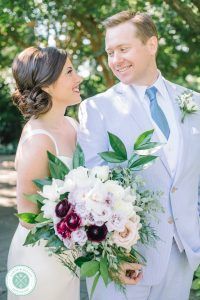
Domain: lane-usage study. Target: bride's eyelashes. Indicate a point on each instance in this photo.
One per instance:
(69, 71)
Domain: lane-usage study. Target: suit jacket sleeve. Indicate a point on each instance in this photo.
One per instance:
(92, 133)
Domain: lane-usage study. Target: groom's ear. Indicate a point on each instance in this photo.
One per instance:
(153, 45)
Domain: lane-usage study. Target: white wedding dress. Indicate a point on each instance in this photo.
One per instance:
(54, 280)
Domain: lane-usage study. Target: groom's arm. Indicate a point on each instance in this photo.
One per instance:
(92, 133)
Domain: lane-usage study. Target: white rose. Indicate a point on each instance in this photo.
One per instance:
(101, 172)
(79, 176)
(128, 237)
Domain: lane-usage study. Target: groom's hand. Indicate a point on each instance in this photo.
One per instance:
(130, 273)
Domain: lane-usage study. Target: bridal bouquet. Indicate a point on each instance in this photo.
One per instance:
(93, 218)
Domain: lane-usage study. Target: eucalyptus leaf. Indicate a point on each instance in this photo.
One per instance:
(111, 157)
(90, 268)
(117, 145)
(78, 157)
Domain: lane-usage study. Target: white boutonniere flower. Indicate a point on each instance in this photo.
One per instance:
(187, 104)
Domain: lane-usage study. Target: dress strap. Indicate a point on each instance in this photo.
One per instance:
(36, 132)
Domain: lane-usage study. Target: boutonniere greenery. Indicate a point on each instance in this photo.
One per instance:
(187, 104)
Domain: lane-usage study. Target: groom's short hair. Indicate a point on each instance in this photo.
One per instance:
(142, 22)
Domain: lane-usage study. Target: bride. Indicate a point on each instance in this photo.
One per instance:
(46, 84)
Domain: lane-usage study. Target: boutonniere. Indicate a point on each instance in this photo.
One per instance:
(187, 104)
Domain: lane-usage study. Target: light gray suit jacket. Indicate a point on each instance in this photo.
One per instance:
(118, 111)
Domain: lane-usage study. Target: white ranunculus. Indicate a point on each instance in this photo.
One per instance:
(49, 208)
(115, 189)
(128, 237)
(101, 172)
(79, 236)
(51, 192)
(116, 222)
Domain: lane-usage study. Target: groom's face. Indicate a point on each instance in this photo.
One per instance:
(130, 59)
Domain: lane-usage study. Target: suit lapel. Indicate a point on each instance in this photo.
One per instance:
(139, 115)
(182, 127)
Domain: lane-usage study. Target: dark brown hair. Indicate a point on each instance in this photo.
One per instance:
(33, 69)
(143, 23)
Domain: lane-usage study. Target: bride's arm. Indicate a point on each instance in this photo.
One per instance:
(32, 163)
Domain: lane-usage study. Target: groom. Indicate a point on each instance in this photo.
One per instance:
(142, 100)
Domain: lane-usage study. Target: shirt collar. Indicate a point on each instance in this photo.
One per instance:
(159, 84)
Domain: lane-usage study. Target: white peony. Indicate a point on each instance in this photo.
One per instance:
(51, 191)
(101, 172)
(115, 189)
(49, 210)
(79, 177)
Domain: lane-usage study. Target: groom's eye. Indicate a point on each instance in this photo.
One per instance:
(110, 53)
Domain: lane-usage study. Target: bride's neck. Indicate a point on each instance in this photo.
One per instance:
(54, 118)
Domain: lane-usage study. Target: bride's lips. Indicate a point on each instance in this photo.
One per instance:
(76, 89)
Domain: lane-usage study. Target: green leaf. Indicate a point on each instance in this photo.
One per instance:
(148, 148)
(90, 268)
(54, 241)
(104, 270)
(81, 260)
(40, 218)
(117, 145)
(144, 138)
(27, 217)
(111, 157)
(57, 168)
(96, 279)
(78, 157)
(196, 284)
(142, 162)
(40, 233)
(41, 182)
(35, 198)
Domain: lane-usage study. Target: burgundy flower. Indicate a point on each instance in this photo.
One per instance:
(62, 208)
(73, 221)
(97, 233)
(63, 229)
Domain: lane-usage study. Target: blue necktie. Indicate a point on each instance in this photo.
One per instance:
(157, 113)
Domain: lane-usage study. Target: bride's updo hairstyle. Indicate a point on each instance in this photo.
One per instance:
(34, 69)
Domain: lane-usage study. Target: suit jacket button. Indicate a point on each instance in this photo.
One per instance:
(170, 220)
(174, 189)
